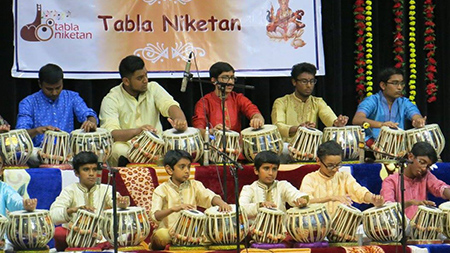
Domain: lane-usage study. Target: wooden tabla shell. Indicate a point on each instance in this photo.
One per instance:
(233, 148)
(99, 142)
(30, 230)
(4, 222)
(383, 224)
(81, 232)
(133, 226)
(304, 144)
(391, 141)
(220, 227)
(268, 226)
(55, 147)
(430, 133)
(17, 146)
(308, 224)
(445, 207)
(427, 224)
(189, 140)
(267, 138)
(348, 137)
(147, 147)
(344, 224)
(188, 229)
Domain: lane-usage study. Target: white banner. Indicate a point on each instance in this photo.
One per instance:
(88, 38)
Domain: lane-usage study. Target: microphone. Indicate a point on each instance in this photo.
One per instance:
(186, 74)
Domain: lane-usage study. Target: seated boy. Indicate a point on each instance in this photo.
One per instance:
(180, 193)
(330, 186)
(267, 191)
(85, 194)
(418, 181)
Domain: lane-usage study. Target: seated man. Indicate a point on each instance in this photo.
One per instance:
(332, 187)
(135, 105)
(418, 181)
(301, 108)
(208, 109)
(388, 107)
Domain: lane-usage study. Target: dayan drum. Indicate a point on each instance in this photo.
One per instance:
(427, 224)
(188, 229)
(304, 144)
(308, 224)
(16, 145)
(55, 147)
(256, 140)
(445, 207)
(390, 141)
(99, 142)
(133, 226)
(81, 234)
(189, 140)
(430, 133)
(268, 226)
(348, 137)
(220, 227)
(383, 224)
(147, 147)
(344, 224)
(3, 225)
(30, 230)
(233, 148)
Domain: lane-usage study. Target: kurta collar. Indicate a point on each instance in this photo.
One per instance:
(85, 190)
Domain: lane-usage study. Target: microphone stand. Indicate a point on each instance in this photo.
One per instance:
(112, 173)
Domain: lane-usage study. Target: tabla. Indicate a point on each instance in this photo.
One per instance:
(308, 224)
(81, 234)
(189, 140)
(17, 147)
(344, 224)
(233, 148)
(146, 147)
(3, 225)
(268, 226)
(188, 229)
(391, 141)
(304, 144)
(383, 224)
(348, 137)
(267, 138)
(133, 226)
(220, 227)
(55, 147)
(445, 207)
(430, 133)
(427, 224)
(30, 230)
(99, 142)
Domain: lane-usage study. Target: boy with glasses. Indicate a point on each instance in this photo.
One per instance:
(418, 181)
(333, 187)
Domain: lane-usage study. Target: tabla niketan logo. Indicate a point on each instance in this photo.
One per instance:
(52, 24)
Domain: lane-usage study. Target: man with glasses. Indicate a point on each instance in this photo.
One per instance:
(419, 181)
(333, 187)
(208, 109)
(301, 108)
(388, 107)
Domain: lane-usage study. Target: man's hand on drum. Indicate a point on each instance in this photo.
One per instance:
(43, 129)
(90, 125)
(419, 122)
(346, 200)
(257, 121)
(389, 124)
(29, 204)
(268, 204)
(76, 208)
(5, 128)
(308, 124)
(301, 202)
(377, 200)
(178, 124)
(147, 128)
(123, 202)
(415, 202)
(224, 207)
(219, 127)
(178, 208)
(340, 121)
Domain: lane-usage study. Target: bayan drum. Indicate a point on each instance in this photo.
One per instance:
(427, 224)
(55, 148)
(256, 140)
(233, 148)
(147, 147)
(445, 207)
(390, 141)
(3, 225)
(99, 142)
(188, 229)
(16, 146)
(189, 140)
(83, 229)
(430, 133)
(304, 144)
(348, 137)
(344, 224)
(268, 226)
(308, 224)
(220, 227)
(383, 224)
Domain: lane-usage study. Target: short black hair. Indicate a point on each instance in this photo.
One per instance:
(82, 158)
(50, 73)
(386, 73)
(303, 67)
(218, 68)
(422, 148)
(329, 148)
(266, 157)
(129, 65)
(173, 156)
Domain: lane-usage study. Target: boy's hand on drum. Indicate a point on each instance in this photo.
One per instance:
(390, 124)
(43, 129)
(29, 204)
(123, 202)
(257, 122)
(178, 124)
(178, 208)
(224, 207)
(220, 127)
(5, 128)
(415, 202)
(301, 202)
(340, 121)
(308, 124)
(268, 204)
(89, 126)
(420, 122)
(147, 128)
(377, 200)
(346, 200)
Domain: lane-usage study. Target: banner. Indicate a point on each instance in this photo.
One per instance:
(88, 38)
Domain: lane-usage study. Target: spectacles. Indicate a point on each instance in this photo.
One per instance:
(396, 83)
(306, 81)
(332, 166)
(226, 79)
